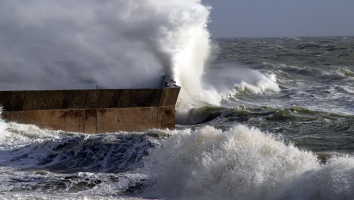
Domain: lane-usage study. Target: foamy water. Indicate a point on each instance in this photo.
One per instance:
(205, 163)
(244, 163)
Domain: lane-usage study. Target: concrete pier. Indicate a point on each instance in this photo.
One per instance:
(93, 111)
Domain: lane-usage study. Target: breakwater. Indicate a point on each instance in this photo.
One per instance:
(92, 111)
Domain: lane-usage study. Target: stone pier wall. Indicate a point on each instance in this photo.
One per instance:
(93, 111)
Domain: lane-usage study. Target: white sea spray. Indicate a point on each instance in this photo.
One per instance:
(243, 163)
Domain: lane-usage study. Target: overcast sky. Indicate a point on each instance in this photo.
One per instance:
(281, 18)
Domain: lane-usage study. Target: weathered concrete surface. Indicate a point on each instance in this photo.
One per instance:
(93, 111)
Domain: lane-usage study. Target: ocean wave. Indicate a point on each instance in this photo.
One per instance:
(266, 84)
(17, 135)
(345, 72)
(243, 163)
(49, 185)
(200, 163)
(119, 152)
(198, 115)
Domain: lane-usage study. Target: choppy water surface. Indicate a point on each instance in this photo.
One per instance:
(307, 94)
(283, 130)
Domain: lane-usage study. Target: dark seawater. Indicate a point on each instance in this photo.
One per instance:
(283, 130)
(314, 105)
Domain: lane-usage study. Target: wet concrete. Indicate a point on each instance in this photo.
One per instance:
(92, 111)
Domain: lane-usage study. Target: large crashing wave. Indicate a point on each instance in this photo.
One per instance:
(243, 163)
(112, 43)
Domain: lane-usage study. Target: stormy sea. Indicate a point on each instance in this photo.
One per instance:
(257, 118)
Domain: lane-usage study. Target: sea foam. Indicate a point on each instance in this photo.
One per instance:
(243, 163)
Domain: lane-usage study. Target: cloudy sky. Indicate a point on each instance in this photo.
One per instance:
(281, 18)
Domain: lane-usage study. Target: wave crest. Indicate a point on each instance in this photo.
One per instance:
(243, 163)
(266, 84)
